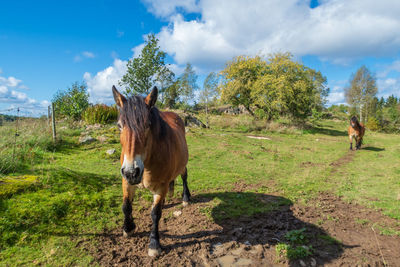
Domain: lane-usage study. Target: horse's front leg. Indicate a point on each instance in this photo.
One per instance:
(128, 192)
(358, 143)
(351, 142)
(158, 201)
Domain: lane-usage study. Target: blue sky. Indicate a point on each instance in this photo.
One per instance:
(47, 45)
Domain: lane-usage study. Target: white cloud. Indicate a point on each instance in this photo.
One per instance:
(336, 96)
(99, 85)
(164, 9)
(137, 50)
(393, 67)
(88, 54)
(10, 97)
(84, 54)
(10, 81)
(388, 87)
(337, 30)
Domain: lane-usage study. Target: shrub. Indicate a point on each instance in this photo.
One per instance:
(100, 113)
(373, 124)
(72, 102)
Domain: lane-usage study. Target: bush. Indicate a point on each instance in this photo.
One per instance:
(72, 102)
(100, 113)
(373, 124)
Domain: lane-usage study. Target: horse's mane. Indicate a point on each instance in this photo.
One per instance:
(136, 115)
(355, 120)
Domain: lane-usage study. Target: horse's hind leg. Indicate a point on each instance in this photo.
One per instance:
(171, 189)
(128, 191)
(186, 192)
(154, 246)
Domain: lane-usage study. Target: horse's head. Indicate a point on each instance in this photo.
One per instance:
(354, 122)
(134, 125)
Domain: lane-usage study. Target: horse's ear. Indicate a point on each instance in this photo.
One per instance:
(151, 98)
(118, 97)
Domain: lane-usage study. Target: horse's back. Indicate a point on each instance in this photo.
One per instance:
(178, 139)
(173, 120)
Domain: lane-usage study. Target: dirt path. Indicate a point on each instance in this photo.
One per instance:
(192, 239)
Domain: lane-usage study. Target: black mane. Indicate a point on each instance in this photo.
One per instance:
(136, 115)
(355, 121)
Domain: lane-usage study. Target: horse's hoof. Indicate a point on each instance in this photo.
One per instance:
(154, 252)
(185, 203)
(128, 234)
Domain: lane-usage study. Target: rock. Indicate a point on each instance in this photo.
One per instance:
(86, 139)
(302, 263)
(110, 151)
(177, 213)
(192, 121)
(101, 138)
(247, 243)
(313, 262)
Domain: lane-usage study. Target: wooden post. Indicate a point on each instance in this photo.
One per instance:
(53, 120)
(49, 115)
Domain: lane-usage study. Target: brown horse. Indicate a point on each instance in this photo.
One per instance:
(154, 153)
(357, 131)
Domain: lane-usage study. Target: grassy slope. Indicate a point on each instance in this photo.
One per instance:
(78, 193)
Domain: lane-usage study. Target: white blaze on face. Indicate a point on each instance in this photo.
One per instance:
(131, 165)
(138, 163)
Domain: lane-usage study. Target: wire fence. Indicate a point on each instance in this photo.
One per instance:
(25, 133)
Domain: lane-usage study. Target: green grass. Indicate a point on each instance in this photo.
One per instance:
(66, 193)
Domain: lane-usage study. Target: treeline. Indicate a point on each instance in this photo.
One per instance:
(267, 87)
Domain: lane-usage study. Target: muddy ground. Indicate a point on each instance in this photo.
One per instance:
(193, 239)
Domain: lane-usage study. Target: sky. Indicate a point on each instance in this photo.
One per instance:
(45, 46)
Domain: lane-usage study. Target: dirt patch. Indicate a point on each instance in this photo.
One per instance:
(309, 164)
(347, 158)
(193, 239)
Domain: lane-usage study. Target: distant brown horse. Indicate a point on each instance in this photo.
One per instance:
(356, 131)
(154, 153)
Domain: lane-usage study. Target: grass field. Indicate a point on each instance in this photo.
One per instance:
(69, 192)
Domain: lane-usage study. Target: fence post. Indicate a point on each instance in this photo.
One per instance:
(53, 119)
(48, 115)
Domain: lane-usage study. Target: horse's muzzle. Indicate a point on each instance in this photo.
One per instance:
(132, 175)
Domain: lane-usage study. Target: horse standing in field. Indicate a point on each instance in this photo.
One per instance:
(356, 131)
(154, 153)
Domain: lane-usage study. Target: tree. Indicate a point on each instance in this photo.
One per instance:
(209, 93)
(142, 72)
(361, 90)
(72, 102)
(278, 86)
(187, 83)
(171, 94)
(239, 77)
(165, 78)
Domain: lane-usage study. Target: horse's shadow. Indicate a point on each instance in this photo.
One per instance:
(371, 148)
(254, 218)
